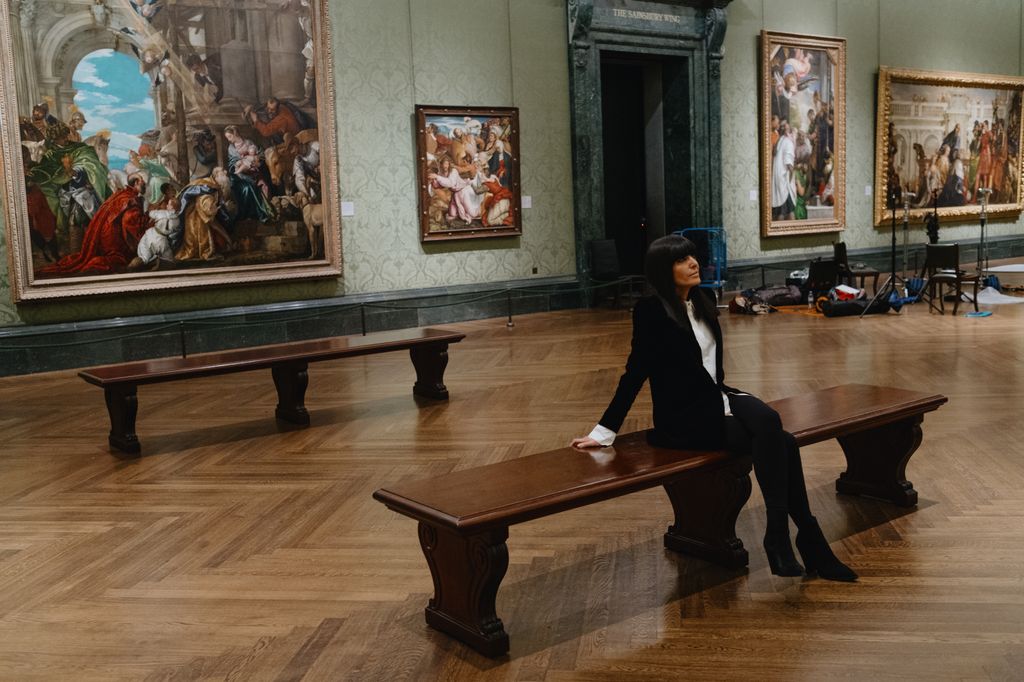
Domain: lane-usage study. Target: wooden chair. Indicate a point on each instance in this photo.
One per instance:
(850, 275)
(942, 268)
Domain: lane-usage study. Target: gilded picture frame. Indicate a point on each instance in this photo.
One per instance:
(153, 145)
(942, 136)
(467, 162)
(802, 141)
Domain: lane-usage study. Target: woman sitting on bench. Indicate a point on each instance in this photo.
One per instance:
(677, 344)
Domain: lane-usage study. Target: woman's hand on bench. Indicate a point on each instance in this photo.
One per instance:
(585, 442)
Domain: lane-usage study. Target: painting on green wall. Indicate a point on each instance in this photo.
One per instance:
(949, 142)
(802, 134)
(152, 145)
(468, 166)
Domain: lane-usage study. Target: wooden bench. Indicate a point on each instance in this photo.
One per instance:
(288, 363)
(464, 515)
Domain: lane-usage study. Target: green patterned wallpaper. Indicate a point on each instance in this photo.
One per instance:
(389, 56)
(393, 54)
(985, 37)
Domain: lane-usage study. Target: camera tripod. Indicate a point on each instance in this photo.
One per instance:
(894, 282)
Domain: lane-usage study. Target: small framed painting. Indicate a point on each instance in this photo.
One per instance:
(803, 134)
(468, 169)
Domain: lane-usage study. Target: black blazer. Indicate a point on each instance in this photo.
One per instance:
(688, 409)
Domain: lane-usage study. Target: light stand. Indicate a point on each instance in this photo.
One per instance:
(982, 243)
(907, 196)
(890, 285)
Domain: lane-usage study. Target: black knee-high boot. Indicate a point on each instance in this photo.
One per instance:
(810, 540)
(771, 477)
(797, 504)
(755, 429)
(818, 556)
(769, 453)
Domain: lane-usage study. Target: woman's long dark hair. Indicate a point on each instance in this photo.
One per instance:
(662, 255)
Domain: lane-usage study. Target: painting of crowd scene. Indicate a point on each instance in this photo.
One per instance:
(469, 172)
(951, 145)
(802, 154)
(161, 137)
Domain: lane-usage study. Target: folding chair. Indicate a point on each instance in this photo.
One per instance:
(942, 269)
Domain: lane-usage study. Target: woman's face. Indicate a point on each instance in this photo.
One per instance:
(686, 273)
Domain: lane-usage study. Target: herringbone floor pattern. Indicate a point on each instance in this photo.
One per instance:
(238, 550)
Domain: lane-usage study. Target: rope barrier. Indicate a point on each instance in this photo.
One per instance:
(85, 342)
(428, 306)
(275, 320)
(183, 326)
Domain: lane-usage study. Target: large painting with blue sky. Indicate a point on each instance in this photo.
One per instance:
(168, 143)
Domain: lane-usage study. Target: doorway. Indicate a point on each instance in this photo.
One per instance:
(646, 138)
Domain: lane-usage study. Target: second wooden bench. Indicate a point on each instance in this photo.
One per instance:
(288, 363)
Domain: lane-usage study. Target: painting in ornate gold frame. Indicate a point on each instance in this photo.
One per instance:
(802, 134)
(150, 144)
(467, 161)
(944, 136)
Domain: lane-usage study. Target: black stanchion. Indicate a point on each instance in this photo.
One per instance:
(181, 338)
(362, 318)
(508, 302)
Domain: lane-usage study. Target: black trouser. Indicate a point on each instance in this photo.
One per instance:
(755, 429)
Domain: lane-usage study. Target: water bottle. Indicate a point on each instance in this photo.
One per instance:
(810, 300)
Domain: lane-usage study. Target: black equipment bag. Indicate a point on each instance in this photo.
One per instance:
(776, 295)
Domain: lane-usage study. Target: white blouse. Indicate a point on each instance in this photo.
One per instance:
(708, 348)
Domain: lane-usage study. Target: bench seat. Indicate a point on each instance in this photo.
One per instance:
(288, 363)
(464, 515)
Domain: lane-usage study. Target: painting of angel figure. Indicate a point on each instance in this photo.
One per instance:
(156, 144)
(803, 159)
(468, 172)
(947, 142)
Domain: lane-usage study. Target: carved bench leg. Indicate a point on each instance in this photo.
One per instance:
(467, 571)
(706, 505)
(291, 380)
(122, 406)
(430, 362)
(876, 461)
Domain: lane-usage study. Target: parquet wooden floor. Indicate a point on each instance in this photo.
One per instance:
(239, 550)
